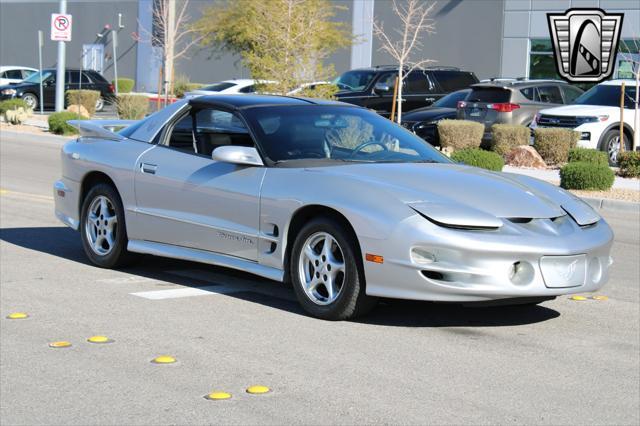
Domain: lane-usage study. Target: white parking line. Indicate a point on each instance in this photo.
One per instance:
(177, 293)
(128, 280)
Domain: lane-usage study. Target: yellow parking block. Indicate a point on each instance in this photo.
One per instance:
(18, 315)
(578, 298)
(257, 389)
(217, 396)
(163, 359)
(60, 344)
(99, 339)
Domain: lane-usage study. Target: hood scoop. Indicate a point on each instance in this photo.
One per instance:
(457, 216)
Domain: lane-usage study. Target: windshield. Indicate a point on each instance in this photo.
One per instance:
(335, 133)
(607, 95)
(353, 81)
(452, 99)
(218, 87)
(36, 77)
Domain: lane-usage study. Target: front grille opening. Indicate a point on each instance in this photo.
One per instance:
(433, 275)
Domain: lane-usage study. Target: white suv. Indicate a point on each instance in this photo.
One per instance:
(596, 115)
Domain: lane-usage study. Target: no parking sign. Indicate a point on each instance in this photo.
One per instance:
(60, 27)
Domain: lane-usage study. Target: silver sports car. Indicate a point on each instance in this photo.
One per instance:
(340, 202)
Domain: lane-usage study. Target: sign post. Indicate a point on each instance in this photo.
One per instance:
(60, 32)
(40, 45)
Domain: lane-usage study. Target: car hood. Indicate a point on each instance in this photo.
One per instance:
(498, 194)
(429, 113)
(16, 85)
(579, 110)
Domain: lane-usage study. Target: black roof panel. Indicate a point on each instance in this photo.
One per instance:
(246, 100)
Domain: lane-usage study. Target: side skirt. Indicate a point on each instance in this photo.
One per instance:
(202, 256)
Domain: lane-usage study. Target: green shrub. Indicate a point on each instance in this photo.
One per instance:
(320, 91)
(182, 85)
(58, 123)
(84, 98)
(132, 107)
(505, 137)
(553, 145)
(12, 104)
(479, 158)
(125, 85)
(460, 134)
(629, 162)
(586, 155)
(581, 175)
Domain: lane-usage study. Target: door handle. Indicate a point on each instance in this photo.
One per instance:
(430, 99)
(148, 168)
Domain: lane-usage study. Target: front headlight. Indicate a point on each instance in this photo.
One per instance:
(8, 91)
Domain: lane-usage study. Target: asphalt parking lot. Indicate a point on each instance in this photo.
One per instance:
(563, 362)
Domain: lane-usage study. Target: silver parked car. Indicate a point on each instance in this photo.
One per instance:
(513, 101)
(339, 201)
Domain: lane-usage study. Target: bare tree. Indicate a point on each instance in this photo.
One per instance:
(172, 32)
(635, 71)
(414, 15)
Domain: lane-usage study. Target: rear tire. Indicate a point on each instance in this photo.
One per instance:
(326, 272)
(100, 104)
(102, 228)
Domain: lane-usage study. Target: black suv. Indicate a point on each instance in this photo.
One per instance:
(29, 89)
(373, 87)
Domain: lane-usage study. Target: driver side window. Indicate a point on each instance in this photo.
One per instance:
(214, 128)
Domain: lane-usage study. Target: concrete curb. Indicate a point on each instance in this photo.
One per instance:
(615, 205)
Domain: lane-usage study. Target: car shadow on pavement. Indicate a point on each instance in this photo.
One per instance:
(65, 243)
(410, 313)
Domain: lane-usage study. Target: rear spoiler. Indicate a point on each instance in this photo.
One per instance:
(103, 129)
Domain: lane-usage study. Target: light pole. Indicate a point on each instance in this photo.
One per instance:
(40, 45)
(61, 66)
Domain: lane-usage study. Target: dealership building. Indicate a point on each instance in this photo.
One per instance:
(493, 38)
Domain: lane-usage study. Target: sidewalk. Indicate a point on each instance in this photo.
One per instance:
(554, 177)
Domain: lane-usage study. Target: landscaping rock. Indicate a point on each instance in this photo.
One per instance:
(525, 156)
(78, 109)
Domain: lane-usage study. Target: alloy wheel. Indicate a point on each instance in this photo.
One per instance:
(613, 147)
(99, 104)
(321, 268)
(30, 100)
(101, 226)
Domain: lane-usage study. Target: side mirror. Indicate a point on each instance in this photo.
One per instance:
(381, 88)
(243, 155)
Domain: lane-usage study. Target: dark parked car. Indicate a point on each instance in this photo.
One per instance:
(373, 87)
(424, 121)
(514, 101)
(29, 89)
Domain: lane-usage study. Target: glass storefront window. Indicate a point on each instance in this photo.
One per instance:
(542, 61)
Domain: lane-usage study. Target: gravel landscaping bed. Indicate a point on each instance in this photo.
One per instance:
(612, 194)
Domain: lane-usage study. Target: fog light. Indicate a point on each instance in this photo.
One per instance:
(422, 256)
(595, 270)
(585, 136)
(521, 273)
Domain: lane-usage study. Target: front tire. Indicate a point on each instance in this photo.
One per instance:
(102, 227)
(326, 272)
(31, 100)
(611, 145)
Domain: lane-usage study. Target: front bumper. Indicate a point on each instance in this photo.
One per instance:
(66, 195)
(470, 266)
